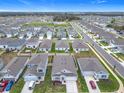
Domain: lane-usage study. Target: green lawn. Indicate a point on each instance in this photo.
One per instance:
(47, 86)
(31, 49)
(120, 55)
(71, 48)
(85, 54)
(17, 88)
(104, 43)
(53, 48)
(37, 24)
(60, 51)
(82, 87)
(109, 85)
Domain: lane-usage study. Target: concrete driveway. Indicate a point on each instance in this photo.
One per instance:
(89, 78)
(6, 92)
(25, 88)
(71, 87)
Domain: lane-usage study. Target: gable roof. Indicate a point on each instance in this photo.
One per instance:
(62, 44)
(62, 62)
(90, 64)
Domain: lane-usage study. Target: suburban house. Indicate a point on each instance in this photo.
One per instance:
(36, 68)
(92, 67)
(45, 45)
(121, 49)
(63, 69)
(32, 43)
(62, 45)
(117, 45)
(11, 44)
(79, 45)
(49, 35)
(14, 69)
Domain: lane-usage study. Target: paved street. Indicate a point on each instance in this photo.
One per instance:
(109, 59)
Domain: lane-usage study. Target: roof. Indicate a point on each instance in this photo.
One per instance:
(79, 44)
(12, 41)
(90, 64)
(39, 60)
(63, 62)
(45, 44)
(32, 41)
(62, 44)
(16, 65)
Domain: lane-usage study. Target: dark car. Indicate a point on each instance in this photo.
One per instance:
(92, 84)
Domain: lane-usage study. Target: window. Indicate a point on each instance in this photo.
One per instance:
(39, 77)
(40, 70)
(103, 76)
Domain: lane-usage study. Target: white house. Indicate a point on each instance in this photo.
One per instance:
(45, 45)
(32, 43)
(36, 68)
(63, 69)
(79, 45)
(14, 69)
(62, 45)
(49, 35)
(92, 67)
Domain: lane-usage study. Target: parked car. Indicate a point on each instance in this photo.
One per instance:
(31, 85)
(9, 86)
(3, 85)
(92, 84)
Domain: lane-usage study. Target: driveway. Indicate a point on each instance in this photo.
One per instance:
(25, 88)
(6, 92)
(89, 78)
(71, 87)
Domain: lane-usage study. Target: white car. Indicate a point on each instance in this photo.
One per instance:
(31, 85)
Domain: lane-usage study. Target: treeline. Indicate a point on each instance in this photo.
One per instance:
(118, 28)
(65, 18)
(114, 26)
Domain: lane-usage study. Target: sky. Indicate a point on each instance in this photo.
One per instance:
(62, 5)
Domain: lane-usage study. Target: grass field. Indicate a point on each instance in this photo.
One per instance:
(37, 24)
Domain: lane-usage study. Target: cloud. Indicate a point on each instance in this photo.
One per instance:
(25, 2)
(99, 1)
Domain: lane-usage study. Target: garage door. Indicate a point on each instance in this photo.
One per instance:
(71, 87)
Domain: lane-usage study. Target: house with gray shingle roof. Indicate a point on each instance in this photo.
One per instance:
(79, 45)
(62, 45)
(32, 43)
(92, 67)
(45, 45)
(14, 69)
(11, 44)
(63, 69)
(36, 68)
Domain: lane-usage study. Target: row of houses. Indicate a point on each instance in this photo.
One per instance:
(63, 68)
(60, 45)
(42, 45)
(115, 42)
